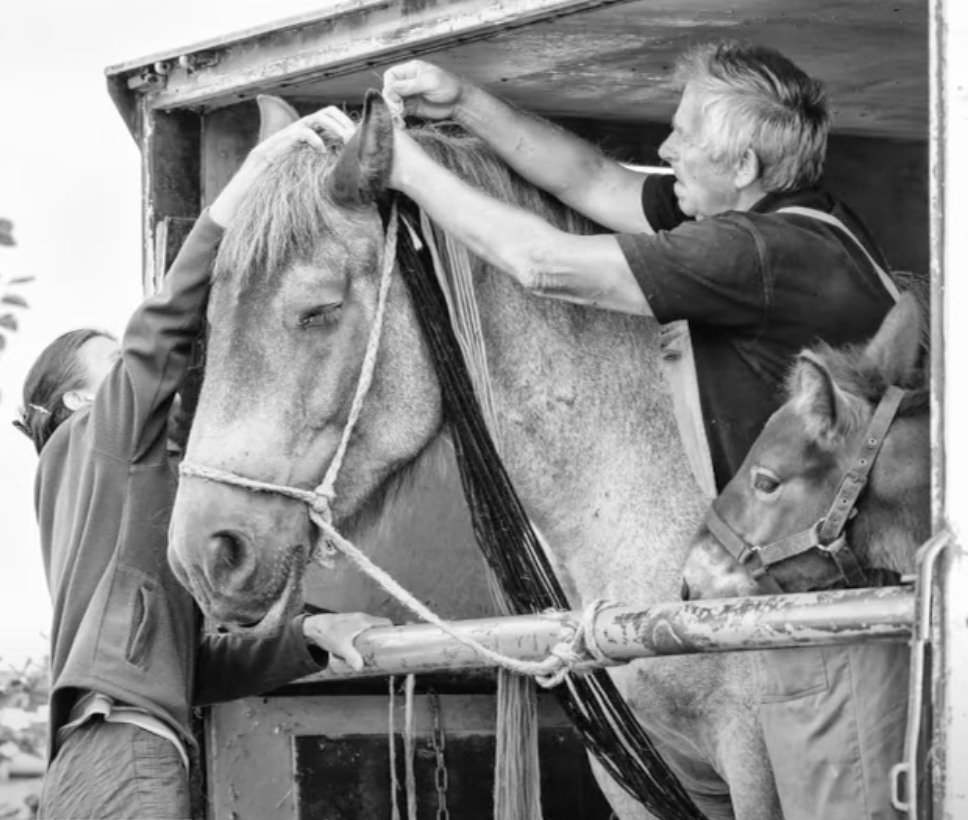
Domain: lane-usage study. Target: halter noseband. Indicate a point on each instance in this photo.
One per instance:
(827, 535)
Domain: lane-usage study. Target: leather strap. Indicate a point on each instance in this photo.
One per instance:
(854, 481)
(830, 219)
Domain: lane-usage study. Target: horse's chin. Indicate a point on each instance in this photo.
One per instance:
(287, 601)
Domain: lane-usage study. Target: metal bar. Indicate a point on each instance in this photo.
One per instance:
(949, 189)
(361, 37)
(625, 633)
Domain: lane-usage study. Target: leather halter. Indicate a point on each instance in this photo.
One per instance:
(827, 535)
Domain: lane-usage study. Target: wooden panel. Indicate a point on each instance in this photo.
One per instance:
(255, 753)
(170, 177)
(227, 137)
(603, 59)
(347, 778)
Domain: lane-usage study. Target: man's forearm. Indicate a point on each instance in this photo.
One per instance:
(559, 162)
(587, 270)
(541, 152)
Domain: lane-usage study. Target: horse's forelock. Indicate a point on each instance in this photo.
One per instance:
(280, 219)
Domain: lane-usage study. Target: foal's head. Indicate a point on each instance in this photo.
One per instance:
(291, 309)
(793, 471)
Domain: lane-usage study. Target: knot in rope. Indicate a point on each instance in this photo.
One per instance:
(582, 653)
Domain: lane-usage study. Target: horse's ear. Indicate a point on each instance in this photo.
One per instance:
(274, 115)
(895, 350)
(818, 400)
(363, 169)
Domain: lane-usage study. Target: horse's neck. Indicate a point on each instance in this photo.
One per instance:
(888, 533)
(589, 439)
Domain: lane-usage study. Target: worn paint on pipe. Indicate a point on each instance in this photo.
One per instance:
(626, 633)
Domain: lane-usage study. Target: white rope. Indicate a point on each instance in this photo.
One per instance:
(568, 656)
(410, 746)
(394, 781)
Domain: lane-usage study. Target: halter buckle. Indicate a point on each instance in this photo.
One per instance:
(751, 559)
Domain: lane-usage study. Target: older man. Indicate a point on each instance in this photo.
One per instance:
(713, 245)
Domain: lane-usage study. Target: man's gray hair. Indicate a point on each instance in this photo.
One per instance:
(755, 98)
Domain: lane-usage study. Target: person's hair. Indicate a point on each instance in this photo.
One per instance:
(57, 371)
(755, 98)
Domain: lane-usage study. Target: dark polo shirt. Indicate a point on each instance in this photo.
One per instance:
(757, 287)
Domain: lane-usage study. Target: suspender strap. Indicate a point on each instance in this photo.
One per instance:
(813, 213)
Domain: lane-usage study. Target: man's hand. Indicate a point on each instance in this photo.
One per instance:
(268, 151)
(422, 89)
(336, 633)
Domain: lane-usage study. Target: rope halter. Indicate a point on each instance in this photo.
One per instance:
(578, 652)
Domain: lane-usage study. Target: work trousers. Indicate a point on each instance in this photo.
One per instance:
(115, 771)
(834, 719)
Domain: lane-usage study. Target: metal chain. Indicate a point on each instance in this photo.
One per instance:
(441, 780)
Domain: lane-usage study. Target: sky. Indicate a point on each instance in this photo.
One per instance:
(70, 182)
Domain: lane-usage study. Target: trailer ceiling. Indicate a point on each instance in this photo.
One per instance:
(575, 58)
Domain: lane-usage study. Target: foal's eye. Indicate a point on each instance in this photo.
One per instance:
(765, 481)
(321, 315)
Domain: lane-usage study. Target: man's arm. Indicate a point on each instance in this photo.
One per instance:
(571, 169)
(589, 270)
(234, 665)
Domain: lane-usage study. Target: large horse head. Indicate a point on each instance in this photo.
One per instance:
(293, 300)
(792, 474)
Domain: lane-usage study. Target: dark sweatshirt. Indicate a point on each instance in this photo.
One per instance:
(123, 625)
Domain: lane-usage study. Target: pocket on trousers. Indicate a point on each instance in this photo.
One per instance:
(787, 674)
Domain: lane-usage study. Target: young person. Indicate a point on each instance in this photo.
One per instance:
(128, 657)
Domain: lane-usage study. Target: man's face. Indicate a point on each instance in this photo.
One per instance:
(702, 187)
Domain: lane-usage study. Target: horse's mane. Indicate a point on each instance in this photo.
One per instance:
(290, 205)
(859, 376)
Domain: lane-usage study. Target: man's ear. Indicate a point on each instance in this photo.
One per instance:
(747, 169)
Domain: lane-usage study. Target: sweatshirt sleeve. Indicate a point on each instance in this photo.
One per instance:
(131, 408)
(233, 666)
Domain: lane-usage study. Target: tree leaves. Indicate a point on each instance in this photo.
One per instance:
(14, 299)
(8, 320)
(6, 233)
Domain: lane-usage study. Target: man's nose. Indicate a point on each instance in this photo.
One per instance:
(666, 151)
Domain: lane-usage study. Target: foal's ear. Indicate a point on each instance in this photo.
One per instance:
(274, 115)
(363, 169)
(896, 348)
(817, 399)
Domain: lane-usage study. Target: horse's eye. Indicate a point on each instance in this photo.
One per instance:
(765, 481)
(321, 315)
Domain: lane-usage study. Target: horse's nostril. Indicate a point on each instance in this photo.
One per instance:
(227, 556)
(684, 591)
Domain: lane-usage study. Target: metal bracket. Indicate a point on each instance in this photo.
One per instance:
(198, 60)
(148, 79)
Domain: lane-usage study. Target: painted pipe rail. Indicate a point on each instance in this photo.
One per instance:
(624, 633)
